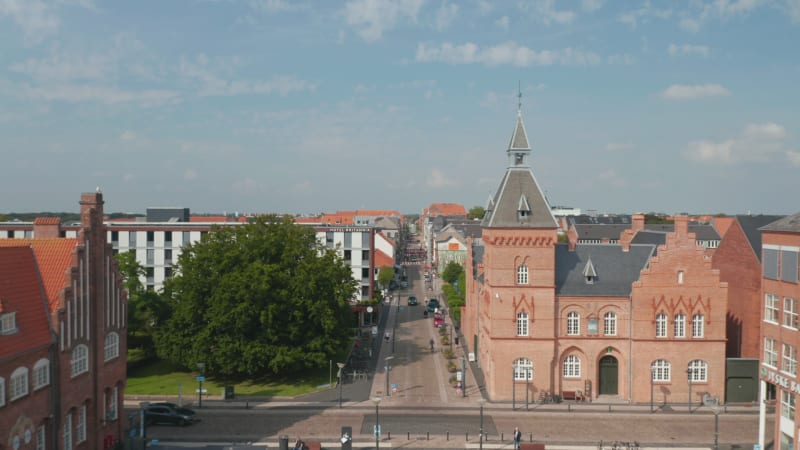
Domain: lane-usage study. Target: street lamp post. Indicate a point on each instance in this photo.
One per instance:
(377, 401)
(201, 367)
(341, 368)
(388, 369)
(715, 408)
(480, 437)
(463, 376)
(689, 373)
(514, 386)
(652, 379)
(527, 385)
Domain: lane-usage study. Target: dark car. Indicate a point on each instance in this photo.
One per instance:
(168, 413)
(433, 304)
(412, 301)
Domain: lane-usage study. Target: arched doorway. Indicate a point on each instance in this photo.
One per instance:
(609, 381)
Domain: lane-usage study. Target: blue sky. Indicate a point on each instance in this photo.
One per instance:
(305, 107)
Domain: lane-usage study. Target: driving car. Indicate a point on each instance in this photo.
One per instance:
(168, 413)
(433, 304)
(412, 301)
(438, 321)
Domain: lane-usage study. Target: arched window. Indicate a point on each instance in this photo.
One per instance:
(698, 371)
(680, 325)
(697, 325)
(573, 324)
(661, 325)
(572, 367)
(523, 369)
(522, 324)
(660, 370)
(522, 274)
(111, 346)
(2, 391)
(41, 374)
(19, 383)
(610, 324)
(80, 360)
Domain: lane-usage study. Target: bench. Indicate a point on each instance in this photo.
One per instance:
(572, 395)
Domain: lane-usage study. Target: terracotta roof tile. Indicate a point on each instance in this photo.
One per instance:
(47, 221)
(54, 257)
(21, 292)
(208, 219)
(383, 260)
(446, 209)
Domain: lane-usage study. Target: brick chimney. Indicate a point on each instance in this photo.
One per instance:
(681, 225)
(637, 222)
(47, 227)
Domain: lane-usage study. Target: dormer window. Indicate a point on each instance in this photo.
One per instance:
(589, 274)
(8, 323)
(523, 209)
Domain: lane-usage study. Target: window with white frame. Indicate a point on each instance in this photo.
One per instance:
(661, 325)
(111, 346)
(572, 367)
(112, 404)
(523, 369)
(770, 352)
(660, 370)
(41, 374)
(19, 383)
(8, 323)
(698, 324)
(698, 371)
(573, 324)
(522, 324)
(80, 427)
(80, 360)
(790, 313)
(41, 438)
(787, 405)
(771, 308)
(2, 391)
(680, 277)
(789, 364)
(680, 325)
(610, 324)
(522, 274)
(67, 436)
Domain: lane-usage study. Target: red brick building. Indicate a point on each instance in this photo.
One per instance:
(87, 309)
(619, 321)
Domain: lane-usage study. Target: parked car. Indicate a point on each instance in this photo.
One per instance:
(412, 301)
(438, 321)
(168, 413)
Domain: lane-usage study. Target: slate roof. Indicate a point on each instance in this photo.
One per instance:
(616, 270)
(788, 223)
(649, 237)
(519, 140)
(21, 291)
(600, 231)
(597, 220)
(702, 231)
(751, 226)
(54, 257)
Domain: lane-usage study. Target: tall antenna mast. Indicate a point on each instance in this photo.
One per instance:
(519, 97)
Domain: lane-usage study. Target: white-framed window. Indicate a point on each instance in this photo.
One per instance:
(522, 324)
(771, 308)
(661, 325)
(41, 438)
(610, 324)
(67, 436)
(770, 352)
(679, 326)
(2, 391)
(660, 370)
(573, 323)
(790, 313)
(113, 411)
(41, 374)
(111, 346)
(523, 369)
(80, 360)
(789, 364)
(522, 274)
(698, 325)
(572, 367)
(680, 277)
(8, 323)
(80, 427)
(787, 405)
(698, 371)
(19, 383)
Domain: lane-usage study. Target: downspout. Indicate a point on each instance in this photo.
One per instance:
(630, 348)
(556, 344)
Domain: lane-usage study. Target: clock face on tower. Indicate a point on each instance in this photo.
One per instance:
(518, 158)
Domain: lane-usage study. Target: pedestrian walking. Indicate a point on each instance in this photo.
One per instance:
(517, 438)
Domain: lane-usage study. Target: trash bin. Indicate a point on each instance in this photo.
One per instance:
(229, 393)
(347, 438)
(283, 442)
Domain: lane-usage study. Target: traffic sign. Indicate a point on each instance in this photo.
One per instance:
(200, 378)
(376, 430)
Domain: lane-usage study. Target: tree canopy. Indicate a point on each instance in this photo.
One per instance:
(452, 271)
(476, 212)
(385, 276)
(146, 309)
(262, 298)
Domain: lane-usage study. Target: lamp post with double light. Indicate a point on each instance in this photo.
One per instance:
(652, 381)
(514, 368)
(377, 401)
(480, 437)
(715, 409)
(341, 381)
(388, 369)
(527, 385)
(201, 368)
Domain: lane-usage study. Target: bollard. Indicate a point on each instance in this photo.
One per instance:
(501, 436)
(609, 408)
(408, 435)
(247, 404)
(388, 435)
(569, 407)
(448, 435)
(466, 437)
(428, 435)
(530, 437)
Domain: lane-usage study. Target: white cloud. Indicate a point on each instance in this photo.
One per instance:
(374, 17)
(438, 179)
(793, 8)
(273, 6)
(36, 19)
(690, 25)
(508, 53)
(688, 50)
(757, 143)
(67, 68)
(592, 5)
(127, 135)
(702, 11)
(545, 12)
(693, 92)
(210, 84)
(101, 94)
(623, 59)
(793, 157)
(611, 177)
(644, 14)
(503, 22)
(445, 15)
(189, 174)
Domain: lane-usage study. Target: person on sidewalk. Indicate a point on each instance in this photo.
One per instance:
(517, 438)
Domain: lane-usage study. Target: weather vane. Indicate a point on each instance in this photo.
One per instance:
(519, 96)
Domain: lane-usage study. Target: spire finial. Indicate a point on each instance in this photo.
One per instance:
(519, 97)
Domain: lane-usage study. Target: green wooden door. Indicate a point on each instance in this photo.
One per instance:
(608, 375)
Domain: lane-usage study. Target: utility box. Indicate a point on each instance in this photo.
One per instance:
(347, 438)
(229, 394)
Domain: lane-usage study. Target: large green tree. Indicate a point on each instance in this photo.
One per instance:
(385, 276)
(452, 271)
(258, 299)
(146, 309)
